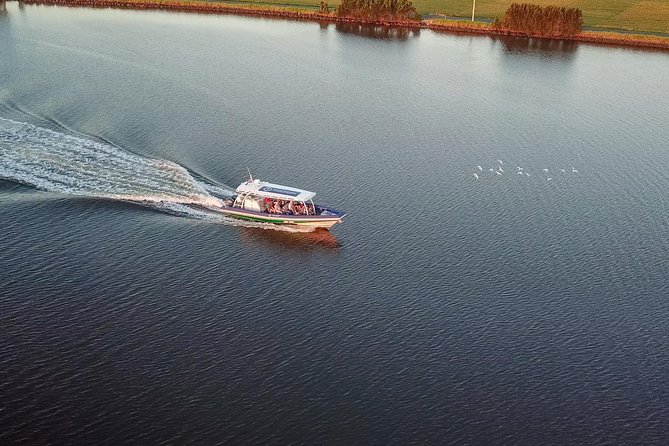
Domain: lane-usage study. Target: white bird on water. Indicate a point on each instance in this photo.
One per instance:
(548, 179)
(476, 176)
(500, 169)
(520, 168)
(480, 168)
(519, 173)
(492, 170)
(563, 171)
(500, 161)
(498, 173)
(573, 170)
(528, 174)
(546, 170)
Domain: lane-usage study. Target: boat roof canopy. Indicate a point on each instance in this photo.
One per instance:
(275, 191)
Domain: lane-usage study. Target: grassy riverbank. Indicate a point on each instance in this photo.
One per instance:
(632, 15)
(307, 12)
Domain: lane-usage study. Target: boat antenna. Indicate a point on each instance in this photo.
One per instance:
(250, 176)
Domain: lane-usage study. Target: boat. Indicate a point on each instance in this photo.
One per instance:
(265, 202)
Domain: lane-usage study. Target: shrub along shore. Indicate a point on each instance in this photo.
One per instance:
(611, 38)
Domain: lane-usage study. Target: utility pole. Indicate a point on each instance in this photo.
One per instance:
(473, 9)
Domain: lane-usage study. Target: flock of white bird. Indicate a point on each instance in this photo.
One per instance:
(499, 170)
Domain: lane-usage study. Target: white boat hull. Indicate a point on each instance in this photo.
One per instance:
(314, 221)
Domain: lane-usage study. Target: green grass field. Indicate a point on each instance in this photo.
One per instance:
(637, 15)
(633, 15)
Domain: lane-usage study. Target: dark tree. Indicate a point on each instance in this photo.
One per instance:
(378, 10)
(535, 20)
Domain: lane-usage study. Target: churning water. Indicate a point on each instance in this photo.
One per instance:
(73, 165)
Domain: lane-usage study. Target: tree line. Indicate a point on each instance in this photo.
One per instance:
(547, 21)
(378, 10)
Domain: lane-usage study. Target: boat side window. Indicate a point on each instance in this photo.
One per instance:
(302, 208)
(267, 205)
(282, 207)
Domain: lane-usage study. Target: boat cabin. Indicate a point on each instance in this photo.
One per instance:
(260, 196)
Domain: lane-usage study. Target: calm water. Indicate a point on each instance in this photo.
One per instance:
(509, 309)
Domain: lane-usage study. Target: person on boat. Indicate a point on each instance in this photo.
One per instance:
(268, 205)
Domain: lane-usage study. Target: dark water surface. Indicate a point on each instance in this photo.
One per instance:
(509, 309)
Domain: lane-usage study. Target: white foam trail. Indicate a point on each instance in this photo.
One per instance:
(73, 165)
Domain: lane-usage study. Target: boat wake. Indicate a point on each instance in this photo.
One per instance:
(73, 165)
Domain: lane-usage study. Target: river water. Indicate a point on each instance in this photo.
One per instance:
(504, 309)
